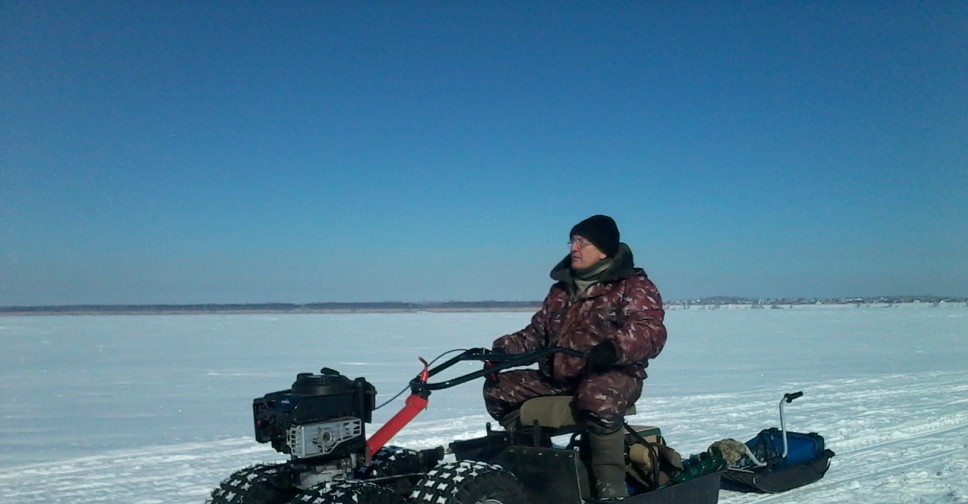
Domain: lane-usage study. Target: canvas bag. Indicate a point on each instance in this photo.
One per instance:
(649, 461)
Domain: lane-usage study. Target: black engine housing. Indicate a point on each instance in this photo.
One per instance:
(317, 403)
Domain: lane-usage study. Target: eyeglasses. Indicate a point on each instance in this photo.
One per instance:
(581, 242)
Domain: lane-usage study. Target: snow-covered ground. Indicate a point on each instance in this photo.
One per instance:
(156, 409)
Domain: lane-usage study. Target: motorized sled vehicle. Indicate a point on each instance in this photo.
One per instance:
(320, 422)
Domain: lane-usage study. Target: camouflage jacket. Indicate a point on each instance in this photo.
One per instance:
(624, 306)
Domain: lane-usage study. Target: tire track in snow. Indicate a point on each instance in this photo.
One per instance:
(154, 475)
(832, 484)
(905, 453)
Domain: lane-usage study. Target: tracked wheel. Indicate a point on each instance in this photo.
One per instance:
(348, 492)
(391, 461)
(260, 484)
(469, 482)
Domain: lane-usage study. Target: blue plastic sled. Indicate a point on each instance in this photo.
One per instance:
(778, 460)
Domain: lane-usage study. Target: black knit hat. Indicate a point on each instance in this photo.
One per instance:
(601, 231)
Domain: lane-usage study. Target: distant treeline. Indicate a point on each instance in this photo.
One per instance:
(389, 306)
(449, 306)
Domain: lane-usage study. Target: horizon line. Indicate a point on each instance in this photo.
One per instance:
(278, 306)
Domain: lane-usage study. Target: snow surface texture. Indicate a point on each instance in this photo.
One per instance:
(156, 409)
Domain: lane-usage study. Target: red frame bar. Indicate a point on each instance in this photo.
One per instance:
(414, 405)
(411, 408)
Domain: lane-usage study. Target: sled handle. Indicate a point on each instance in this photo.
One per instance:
(787, 398)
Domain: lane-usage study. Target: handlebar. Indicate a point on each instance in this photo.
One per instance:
(421, 388)
(791, 396)
(499, 362)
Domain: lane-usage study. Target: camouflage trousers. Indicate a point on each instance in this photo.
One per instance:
(600, 399)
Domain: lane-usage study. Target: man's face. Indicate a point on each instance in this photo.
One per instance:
(584, 253)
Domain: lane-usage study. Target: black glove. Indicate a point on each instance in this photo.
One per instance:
(601, 357)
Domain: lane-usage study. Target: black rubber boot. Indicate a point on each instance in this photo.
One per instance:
(608, 465)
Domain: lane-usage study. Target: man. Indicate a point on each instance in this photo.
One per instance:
(601, 303)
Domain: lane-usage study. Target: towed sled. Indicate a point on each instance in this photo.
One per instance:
(777, 460)
(320, 423)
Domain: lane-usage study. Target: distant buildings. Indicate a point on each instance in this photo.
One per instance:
(756, 303)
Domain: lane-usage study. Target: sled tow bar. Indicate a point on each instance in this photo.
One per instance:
(787, 398)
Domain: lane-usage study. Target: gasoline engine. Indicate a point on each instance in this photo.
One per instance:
(319, 422)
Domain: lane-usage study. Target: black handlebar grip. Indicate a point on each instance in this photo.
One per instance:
(790, 397)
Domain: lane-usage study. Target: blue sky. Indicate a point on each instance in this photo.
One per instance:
(222, 152)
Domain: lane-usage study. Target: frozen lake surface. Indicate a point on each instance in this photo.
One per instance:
(157, 409)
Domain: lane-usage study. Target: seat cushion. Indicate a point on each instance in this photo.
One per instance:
(554, 412)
